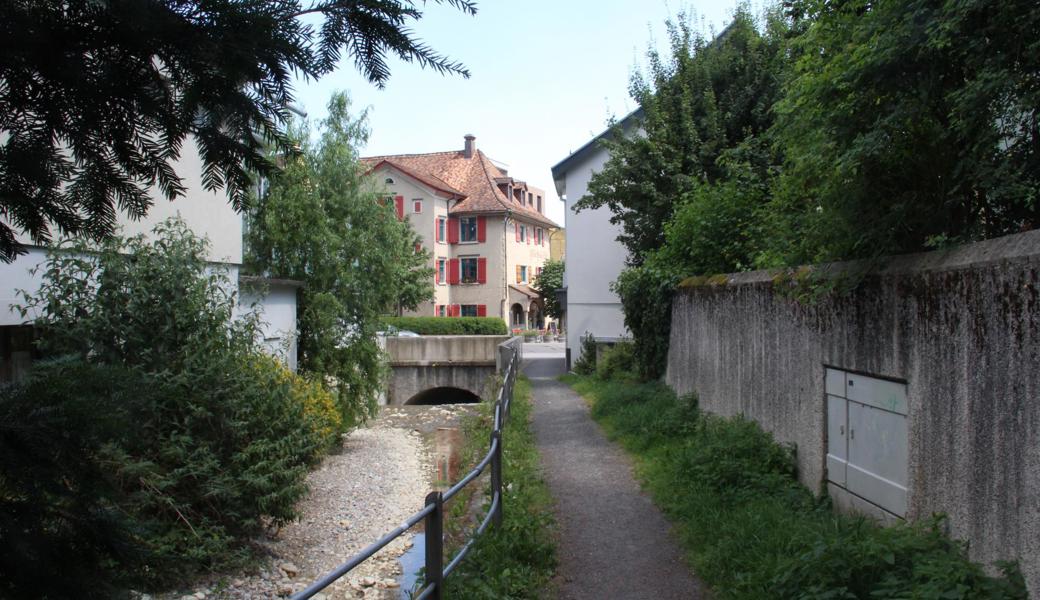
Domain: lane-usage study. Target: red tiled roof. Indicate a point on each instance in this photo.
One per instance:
(473, 178)
(431, 181)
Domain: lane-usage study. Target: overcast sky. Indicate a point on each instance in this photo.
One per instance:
(545, 78)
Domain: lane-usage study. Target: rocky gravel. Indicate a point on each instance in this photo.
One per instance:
(380, 476)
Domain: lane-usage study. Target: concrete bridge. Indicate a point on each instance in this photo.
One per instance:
(443, 369)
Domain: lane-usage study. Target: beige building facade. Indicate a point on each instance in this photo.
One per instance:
(486, 232)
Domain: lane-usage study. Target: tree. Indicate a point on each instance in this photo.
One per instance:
(98, 98)
(702, 100)
(546, 284)
(687, 190)
(907, 126)
(323, 222)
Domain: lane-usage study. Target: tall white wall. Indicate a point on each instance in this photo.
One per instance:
(594, 260)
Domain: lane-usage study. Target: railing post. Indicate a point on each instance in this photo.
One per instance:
(435, 545)
(496, 476)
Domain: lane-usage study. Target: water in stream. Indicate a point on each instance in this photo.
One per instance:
(447, 459)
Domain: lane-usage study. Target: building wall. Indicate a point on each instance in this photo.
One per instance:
(960, 327)
(500, 248)
(276, 306)
(208, 214)
(594, 260)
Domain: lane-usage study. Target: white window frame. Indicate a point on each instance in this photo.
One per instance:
(442, 271)
(442, 230)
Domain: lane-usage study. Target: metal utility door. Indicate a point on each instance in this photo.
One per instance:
(867, 448)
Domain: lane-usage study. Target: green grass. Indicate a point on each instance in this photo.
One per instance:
(750, 530)
(518, 559)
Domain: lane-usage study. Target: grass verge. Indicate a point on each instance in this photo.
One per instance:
(518, 559)
(751, 530)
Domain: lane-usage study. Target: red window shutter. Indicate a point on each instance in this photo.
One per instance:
(437, 230)
(456, 310)
(418, 248)
(530, 234)
(481, 270)
(481, 229)
(482, 309)
(436, 310)
(399, 204)
(453, 230)
(453, 271)
(517, 227)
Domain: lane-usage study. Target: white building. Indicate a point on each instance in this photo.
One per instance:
(594, 256)
(207, 214)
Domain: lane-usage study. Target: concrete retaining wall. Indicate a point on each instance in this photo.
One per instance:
(961, 327)
(444, 349)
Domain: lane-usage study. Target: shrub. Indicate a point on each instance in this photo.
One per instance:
(586, 363)
(160, 438)
(449, 326)
(618, 361)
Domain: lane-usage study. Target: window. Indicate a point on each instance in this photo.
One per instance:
(417, 205)
(522, 274)
(468, 268)
(389, 181)
(539, 204)
(469, 310)
(442, 271)
(442, 310)
(530, 198)
(538, 236)
(442, 225)
(468, 229)
(523, 233)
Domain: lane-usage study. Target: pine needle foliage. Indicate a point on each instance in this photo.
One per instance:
(98, 99)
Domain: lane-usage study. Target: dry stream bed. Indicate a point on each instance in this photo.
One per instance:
(379, 477)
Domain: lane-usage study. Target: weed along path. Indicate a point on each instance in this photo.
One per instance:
(614, 543)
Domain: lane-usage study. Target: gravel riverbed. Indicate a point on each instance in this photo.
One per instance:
(380, 476)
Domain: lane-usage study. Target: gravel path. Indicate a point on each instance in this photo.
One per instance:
(379, 478)
(614, 543)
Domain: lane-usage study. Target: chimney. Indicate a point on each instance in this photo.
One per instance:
(471, 145)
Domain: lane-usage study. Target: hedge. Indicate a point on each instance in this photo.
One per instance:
(449, 325)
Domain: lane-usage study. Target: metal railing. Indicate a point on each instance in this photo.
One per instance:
(433, 511)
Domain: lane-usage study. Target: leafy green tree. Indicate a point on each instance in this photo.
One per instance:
(688, 189)
(907, 125)
(546, 284)
(98, 98)
(704, 98)
(325, 223)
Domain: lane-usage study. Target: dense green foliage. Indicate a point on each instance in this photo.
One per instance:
(97, 99)
(157, 438)
(907, 125)
(518, 559)
(546, 283)
(752, 531)
(322, 222)
(449, 326)
(692, 180)
(834, 131)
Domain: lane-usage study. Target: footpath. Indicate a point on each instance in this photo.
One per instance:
(614, 543)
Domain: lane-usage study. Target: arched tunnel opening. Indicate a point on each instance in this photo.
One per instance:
(443, 395)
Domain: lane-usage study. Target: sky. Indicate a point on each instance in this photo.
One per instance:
(546, 76)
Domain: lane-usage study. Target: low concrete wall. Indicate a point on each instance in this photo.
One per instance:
(961, 327)
(444, 349)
